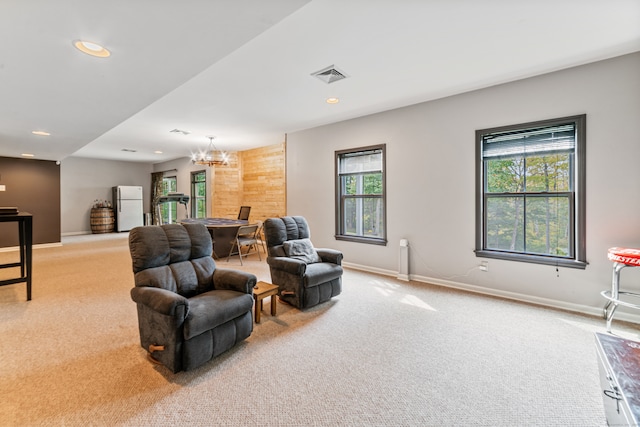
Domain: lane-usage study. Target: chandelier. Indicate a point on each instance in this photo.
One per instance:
(211, 157)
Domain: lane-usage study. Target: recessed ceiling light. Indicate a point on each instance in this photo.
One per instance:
(332, 100)
(27, 155)
(40, 133)
(91, 48)
(158, 152)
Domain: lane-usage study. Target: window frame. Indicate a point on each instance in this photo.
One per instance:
(194, 196)
(340, 198)
(167, 209)
(576, 197)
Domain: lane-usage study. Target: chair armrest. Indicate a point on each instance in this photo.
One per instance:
(288, 265)
(234, 280)
(159, 300)
(330, 255)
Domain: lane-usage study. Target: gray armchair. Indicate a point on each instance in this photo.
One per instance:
(306, 276)
(189, 311)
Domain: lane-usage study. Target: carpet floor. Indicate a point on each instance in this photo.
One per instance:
(383, 353)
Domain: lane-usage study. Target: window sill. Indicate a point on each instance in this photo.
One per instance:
(534, 259)
(360, 239)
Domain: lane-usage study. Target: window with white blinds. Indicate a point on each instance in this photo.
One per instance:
(360, 195)
(530, 197)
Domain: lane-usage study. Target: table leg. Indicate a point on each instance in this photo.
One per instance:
(273, 305)
(258, 310)
(21, 238)
(28, 257)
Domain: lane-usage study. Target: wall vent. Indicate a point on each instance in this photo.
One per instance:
(330, 74)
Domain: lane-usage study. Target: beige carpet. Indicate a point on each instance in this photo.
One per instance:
(383, 353)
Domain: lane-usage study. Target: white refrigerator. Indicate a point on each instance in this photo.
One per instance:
(127, 206)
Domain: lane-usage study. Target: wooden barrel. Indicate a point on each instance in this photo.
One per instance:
(102, 220)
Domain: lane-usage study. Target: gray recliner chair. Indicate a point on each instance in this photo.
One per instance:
(306, 276)
(189, 311)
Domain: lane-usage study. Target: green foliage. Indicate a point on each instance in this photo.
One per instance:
(522, 212)
(169, 185)
(363, 184)
(199, 194)
(505, 176)
(363, 212)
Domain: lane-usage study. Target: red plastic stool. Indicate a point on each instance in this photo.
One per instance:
(621, 257)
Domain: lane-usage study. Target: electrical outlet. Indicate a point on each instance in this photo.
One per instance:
(484, 266)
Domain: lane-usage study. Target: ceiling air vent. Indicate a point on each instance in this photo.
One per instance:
(330, 74)
(129, 150)
(184, 132)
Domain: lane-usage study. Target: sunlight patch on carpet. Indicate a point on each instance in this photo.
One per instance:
(416, 302)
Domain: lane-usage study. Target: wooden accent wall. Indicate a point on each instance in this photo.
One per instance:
(264, 181)
(255, 178)
(226, 187)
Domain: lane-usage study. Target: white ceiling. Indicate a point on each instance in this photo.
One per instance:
(240, 70)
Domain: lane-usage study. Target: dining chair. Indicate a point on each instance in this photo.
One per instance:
(246, 236)
(260, 236)
(244, 212)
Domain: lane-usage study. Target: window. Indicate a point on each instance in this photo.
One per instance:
(360, 194)
(531, 192)
(169, 211)
(199, 194)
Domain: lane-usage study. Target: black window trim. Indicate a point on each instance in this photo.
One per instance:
(382, 241)
(579, 259)
(194, 207)
(170, 205)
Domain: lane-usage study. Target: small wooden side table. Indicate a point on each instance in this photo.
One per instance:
(260, 292)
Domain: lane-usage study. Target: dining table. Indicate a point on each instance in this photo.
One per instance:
(222, 231)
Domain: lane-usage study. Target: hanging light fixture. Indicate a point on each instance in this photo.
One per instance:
(211, 157)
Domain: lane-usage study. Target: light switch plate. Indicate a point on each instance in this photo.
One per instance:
(3, 188)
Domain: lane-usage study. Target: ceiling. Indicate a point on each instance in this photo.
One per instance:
(241, 70)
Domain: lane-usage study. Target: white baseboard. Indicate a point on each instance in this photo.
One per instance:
(369, 269)
(75, 233)
(547, 302)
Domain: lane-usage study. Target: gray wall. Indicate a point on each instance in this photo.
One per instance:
(84, 180)
(431, 182)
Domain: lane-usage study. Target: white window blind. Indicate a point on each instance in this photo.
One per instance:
(541, 141)
(366, 161)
